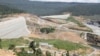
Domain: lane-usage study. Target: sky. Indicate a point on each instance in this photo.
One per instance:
(84, 1)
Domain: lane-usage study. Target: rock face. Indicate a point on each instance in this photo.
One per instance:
(13, 28)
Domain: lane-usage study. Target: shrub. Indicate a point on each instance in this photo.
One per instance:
(48, 53)
(47, 30)
(32, 46)
(38, 52)
(11, 47)
(24, 53)
(61, 44)
(67, 54)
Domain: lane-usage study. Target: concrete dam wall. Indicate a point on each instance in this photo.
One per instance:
(13, 28)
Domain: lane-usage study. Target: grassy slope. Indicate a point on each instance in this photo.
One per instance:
(72, 19)
(60, 44)
(7, 42)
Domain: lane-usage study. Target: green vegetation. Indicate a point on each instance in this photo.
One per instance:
(67, 54)
(5, 10)
(60, 44)
(72, 19)
(48, 53)
(47, 30)
(7, 42)
(42, 8)
(84, 9)
(24, 53)
(94, 17)
(38, 52)
(32, 45)
(11, 47)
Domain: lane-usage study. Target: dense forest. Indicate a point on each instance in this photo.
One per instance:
(38, 8)
(50, 8)
(4, 10)
(85, 9)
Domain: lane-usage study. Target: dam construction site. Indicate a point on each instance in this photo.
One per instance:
(57, 35)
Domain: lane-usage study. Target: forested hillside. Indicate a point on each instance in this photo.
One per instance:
(85, 9)
(7, 10)
(38, 8)
(50, 8)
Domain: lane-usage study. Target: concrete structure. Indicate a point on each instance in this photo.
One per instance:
(13, 28)
(45, 45)
(57, 16)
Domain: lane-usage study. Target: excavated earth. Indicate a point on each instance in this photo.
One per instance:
(34, 23)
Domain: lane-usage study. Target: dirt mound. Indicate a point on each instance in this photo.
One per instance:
(6, 53)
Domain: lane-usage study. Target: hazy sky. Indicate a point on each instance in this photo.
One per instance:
(88, 1)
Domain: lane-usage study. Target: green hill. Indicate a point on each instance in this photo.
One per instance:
(4, 10)
(84, 9)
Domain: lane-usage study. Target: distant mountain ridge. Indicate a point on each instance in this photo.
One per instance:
(51, 8)
(85, 9)
(39, 8)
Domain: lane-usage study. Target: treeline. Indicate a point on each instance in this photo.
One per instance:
(49, 8)
(84, 9)
(4, 10)
(39, 8)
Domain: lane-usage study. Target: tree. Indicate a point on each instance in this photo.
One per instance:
(67, 54)
(32, 45)
(48, 53)
(11, 47)
(5, 10)
(24, 53)
(47, 30)
(23, 50)
(38, 52)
